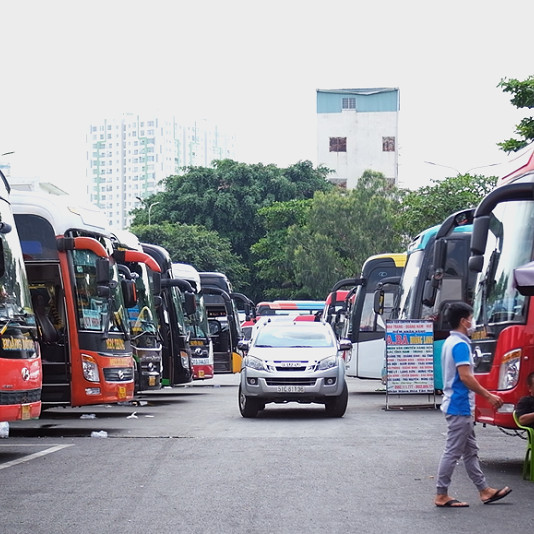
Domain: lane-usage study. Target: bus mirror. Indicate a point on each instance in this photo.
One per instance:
(378, 303)
(429, 293)
(479, 236)
(345, 344)
(440, 252)
(156, 283)
(5, 228)
(129, 294)
(524, 279)
(103, 291)
(190, 304)
(102, 271)
(243, 344)
(476, 263)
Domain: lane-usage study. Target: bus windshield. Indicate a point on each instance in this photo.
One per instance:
(198, 324)
(509, 245)
(15, 298)
(17, 321)
(409, 277)
(96, 313)
(143, 315)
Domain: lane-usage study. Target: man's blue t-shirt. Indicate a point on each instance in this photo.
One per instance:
(458, 399)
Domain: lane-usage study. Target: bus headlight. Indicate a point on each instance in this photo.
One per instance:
(509, 370)
(90, 369)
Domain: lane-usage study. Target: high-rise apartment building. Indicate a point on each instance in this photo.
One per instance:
(128, 156)
(357, 129)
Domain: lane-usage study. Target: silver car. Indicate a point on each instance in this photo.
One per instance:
(293, 362)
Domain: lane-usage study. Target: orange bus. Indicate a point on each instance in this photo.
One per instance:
(78, 303)
(20, 362)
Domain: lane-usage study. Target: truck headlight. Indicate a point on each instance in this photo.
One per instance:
(509, 370)
(327, 363)
(90, 368)
(254, 363)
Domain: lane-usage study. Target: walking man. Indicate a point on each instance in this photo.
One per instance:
(459, 388)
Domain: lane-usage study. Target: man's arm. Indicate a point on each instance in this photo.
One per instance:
(469, 380)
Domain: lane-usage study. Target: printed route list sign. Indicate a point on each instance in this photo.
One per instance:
(409, 356)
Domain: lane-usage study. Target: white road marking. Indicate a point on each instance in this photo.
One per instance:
(34, 456)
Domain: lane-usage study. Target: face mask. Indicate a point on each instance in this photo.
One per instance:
(472, 328)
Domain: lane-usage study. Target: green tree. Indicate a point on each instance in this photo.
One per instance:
(340, 230)
(227, 197)
(431, 205)
(273, 274)
(192, 244)
(522, 97)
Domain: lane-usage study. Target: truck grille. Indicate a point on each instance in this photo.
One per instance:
(290, 381)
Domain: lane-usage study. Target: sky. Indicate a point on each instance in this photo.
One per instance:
(254, 68)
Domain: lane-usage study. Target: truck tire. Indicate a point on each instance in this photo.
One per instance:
(248, 406)
(336, 406)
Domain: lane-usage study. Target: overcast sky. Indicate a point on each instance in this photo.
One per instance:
(254, 67)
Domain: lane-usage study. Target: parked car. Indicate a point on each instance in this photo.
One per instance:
(296, 361)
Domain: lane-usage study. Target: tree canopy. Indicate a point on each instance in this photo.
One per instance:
(522, 97)
(227, 197)
(432, 204)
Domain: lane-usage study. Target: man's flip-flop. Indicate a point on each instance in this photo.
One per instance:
(498, 495)
(453, 503)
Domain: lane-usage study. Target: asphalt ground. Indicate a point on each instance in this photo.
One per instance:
(184, 460)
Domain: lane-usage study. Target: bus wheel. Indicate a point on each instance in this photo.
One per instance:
(248, 406)
(336, 406)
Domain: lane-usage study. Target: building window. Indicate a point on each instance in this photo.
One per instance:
(388, 144)
(338, 144)
(348, 102)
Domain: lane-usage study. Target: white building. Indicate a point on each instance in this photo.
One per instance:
(128, 156)
(357, 129)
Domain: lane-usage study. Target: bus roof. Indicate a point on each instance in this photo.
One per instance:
(422, 239)
(293, 304)
(341, 295)
(399, 259)
(185, 271)
(525, 161)
(63, 212)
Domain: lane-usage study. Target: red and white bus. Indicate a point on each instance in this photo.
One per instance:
(20, 362)
(78, 303)
(502, 250)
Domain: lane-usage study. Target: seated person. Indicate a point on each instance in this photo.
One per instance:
(525, 407)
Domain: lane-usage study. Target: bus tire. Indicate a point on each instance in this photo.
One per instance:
(336, 406)
(248, 406)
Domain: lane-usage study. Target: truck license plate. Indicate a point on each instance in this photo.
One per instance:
(290, 389)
